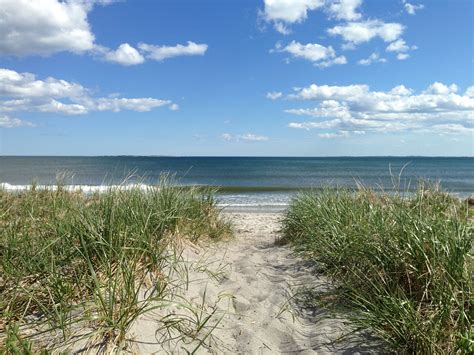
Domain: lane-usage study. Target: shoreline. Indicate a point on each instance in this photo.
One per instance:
(252, 201)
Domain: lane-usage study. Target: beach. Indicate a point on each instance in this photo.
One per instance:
(173, 268)
(236, 177)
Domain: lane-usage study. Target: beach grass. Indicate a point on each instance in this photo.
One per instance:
(71, 262)
(404, 261)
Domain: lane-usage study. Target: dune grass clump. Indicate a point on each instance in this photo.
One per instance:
(405, 262)
(70, 260)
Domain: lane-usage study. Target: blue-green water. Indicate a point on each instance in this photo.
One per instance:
(246, 181)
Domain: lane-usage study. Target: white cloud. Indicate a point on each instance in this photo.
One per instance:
(33, 27)
(227, 137)
(162, 52)
(355, 33)
(333, 61)
(24, 92)
(248, 137)
(104, 2)
(10, 122)
(253, 137)
(441, 89)
(25, 85)
(453, 128)
(469, 91)
(282, 28)
(44, 27)
(411, 9)
(53, 106)
(125, 54)
(326, 92)
(283, 13)
(119, 104)
(399, 46)
(344, 9)
(311, 51)
(289, 11)
(373, 58)
(401, 90)
(341, 134)
(333, 135)
(403, 56)
(355, 108)
(318, 54)
(274, 95)
(174, 107)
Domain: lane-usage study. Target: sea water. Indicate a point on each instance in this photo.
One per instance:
(245, 182)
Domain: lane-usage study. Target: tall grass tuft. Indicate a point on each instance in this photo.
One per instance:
(404, 261)
(69, 259)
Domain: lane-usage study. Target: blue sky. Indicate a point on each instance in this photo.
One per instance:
(273, 77)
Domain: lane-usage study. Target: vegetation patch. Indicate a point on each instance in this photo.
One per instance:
(78, 267)
(404, 261)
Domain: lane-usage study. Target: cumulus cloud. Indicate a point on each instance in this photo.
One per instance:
(355, 109)
(399, 46)
(44, 27)
(227, 137)
(310, 51)
(25, 85)
(411, 9)
(162, 52)
(24, 92)
(125, 54)
(32, 27)
(438, 88)
(253, 137)
(282, 13)
(341, 134)
(115, 104)
(355, 33)
(373, 58)
(403, 56)
(282, 28)
(289, 11)
(344, 9)
(469, 91)
(274, 95)
(318, 54)
(248, 137)
(401, 90)
(11, 122)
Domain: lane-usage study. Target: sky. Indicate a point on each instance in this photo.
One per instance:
(237, 77)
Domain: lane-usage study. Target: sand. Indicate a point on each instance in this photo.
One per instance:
(253, 288)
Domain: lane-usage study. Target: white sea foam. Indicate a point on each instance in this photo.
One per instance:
(76, 188)
(250, 204)
(234, 201)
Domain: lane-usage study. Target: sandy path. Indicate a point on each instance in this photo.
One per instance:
(260, 276)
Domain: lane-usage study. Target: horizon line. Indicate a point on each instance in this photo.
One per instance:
(235, 156)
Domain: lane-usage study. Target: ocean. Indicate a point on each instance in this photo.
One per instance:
(245, 182)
